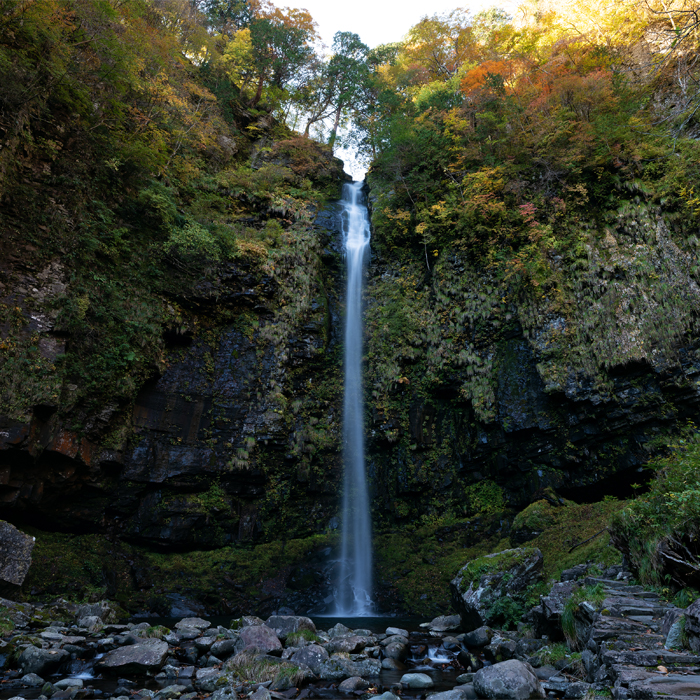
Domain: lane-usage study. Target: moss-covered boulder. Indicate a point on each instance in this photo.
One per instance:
(493, 586)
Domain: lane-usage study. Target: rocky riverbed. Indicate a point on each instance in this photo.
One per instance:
(618, 640)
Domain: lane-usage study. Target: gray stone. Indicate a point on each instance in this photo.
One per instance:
(393, 665)
(577, 690)
(32, 680)
(445, 623)
(500, 649)
(15, 554)
(351, 644)
(509, 680)
(261, 637)
(92, 623)
(454, 694)
(193, 622)
(42, 661)
(170, 692)
(226, 647)
(312, 656)
(396, 650)
(108, 612)
(468, 690)
(383, 696)
(339, 630)
(261, 694)
(284, 625)
(674, 639)
(478, 638)
(692, 625)
(68, 683)
(350, 685)
(207, 679)
(246, 621)
(417, 680)
(391, 631)
(147, 655)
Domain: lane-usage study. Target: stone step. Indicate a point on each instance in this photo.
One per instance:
(607, 583)
(611, 627)
(647, 657)
(621, 606)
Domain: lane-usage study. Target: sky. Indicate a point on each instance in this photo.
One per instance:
(376, 21)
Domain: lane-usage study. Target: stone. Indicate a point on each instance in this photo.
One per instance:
(396, 650)
(391, 631)
(478, 638)
(352, 644)
(68, 683)
(350, 685)
(508, 680)
(284, 625)
(383, 696)
(226, 647)
(393, 665)
(193, 622)
(32, 680)
(15, 554)
(245, 621)
(508, 573)
(445, 623)
(261, 637)
(207, 679)
(547, 615)
(261, 694)
(170, 692)
(91, 623)
(312, 656)
(42, 661)
(454, 694)
(577, 690)
(674, 639)
(692, 625)
(147, 655)
(107, 612)
(417, 680)
(500, 649)
(339, 630)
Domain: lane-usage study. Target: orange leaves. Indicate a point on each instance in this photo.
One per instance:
(480, 76)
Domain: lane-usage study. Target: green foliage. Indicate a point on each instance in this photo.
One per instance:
(6, 623)
(667, 513)
(589, 594)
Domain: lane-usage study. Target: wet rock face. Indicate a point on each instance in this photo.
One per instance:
(230, 411)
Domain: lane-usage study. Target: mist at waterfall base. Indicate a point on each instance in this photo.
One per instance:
(353, 595)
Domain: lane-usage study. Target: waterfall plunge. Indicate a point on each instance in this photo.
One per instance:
(354, 594)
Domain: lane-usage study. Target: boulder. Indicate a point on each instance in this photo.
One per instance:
(42, 661)
(207, 680)
(312, 656)
(193, 623)
(392, 631)
(147, 655)
(284, 625)
(417, 680)
(393, 665)
(15, 554)
(226, 647)
(500, 649)
(692, 625)
(478, 638)
(261, 637)
(454, 694)
(32, 680)
(108, 612)
(508, 680)
(339, 630)
(546, 617)
(396, 650)
(445, 623)
(482, 581)
(91, 623)
(245, 621)
(352, 644)
(350, 685)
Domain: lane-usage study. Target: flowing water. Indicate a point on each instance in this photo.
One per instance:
(354, 592)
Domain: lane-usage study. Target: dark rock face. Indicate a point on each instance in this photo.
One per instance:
(42, 661)
(511, 572)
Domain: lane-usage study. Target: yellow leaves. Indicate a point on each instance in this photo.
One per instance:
(238, 58)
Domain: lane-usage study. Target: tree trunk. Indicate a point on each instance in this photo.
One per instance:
(258, 94)
(336, 123)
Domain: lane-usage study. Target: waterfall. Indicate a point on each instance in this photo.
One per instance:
(354, 593)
